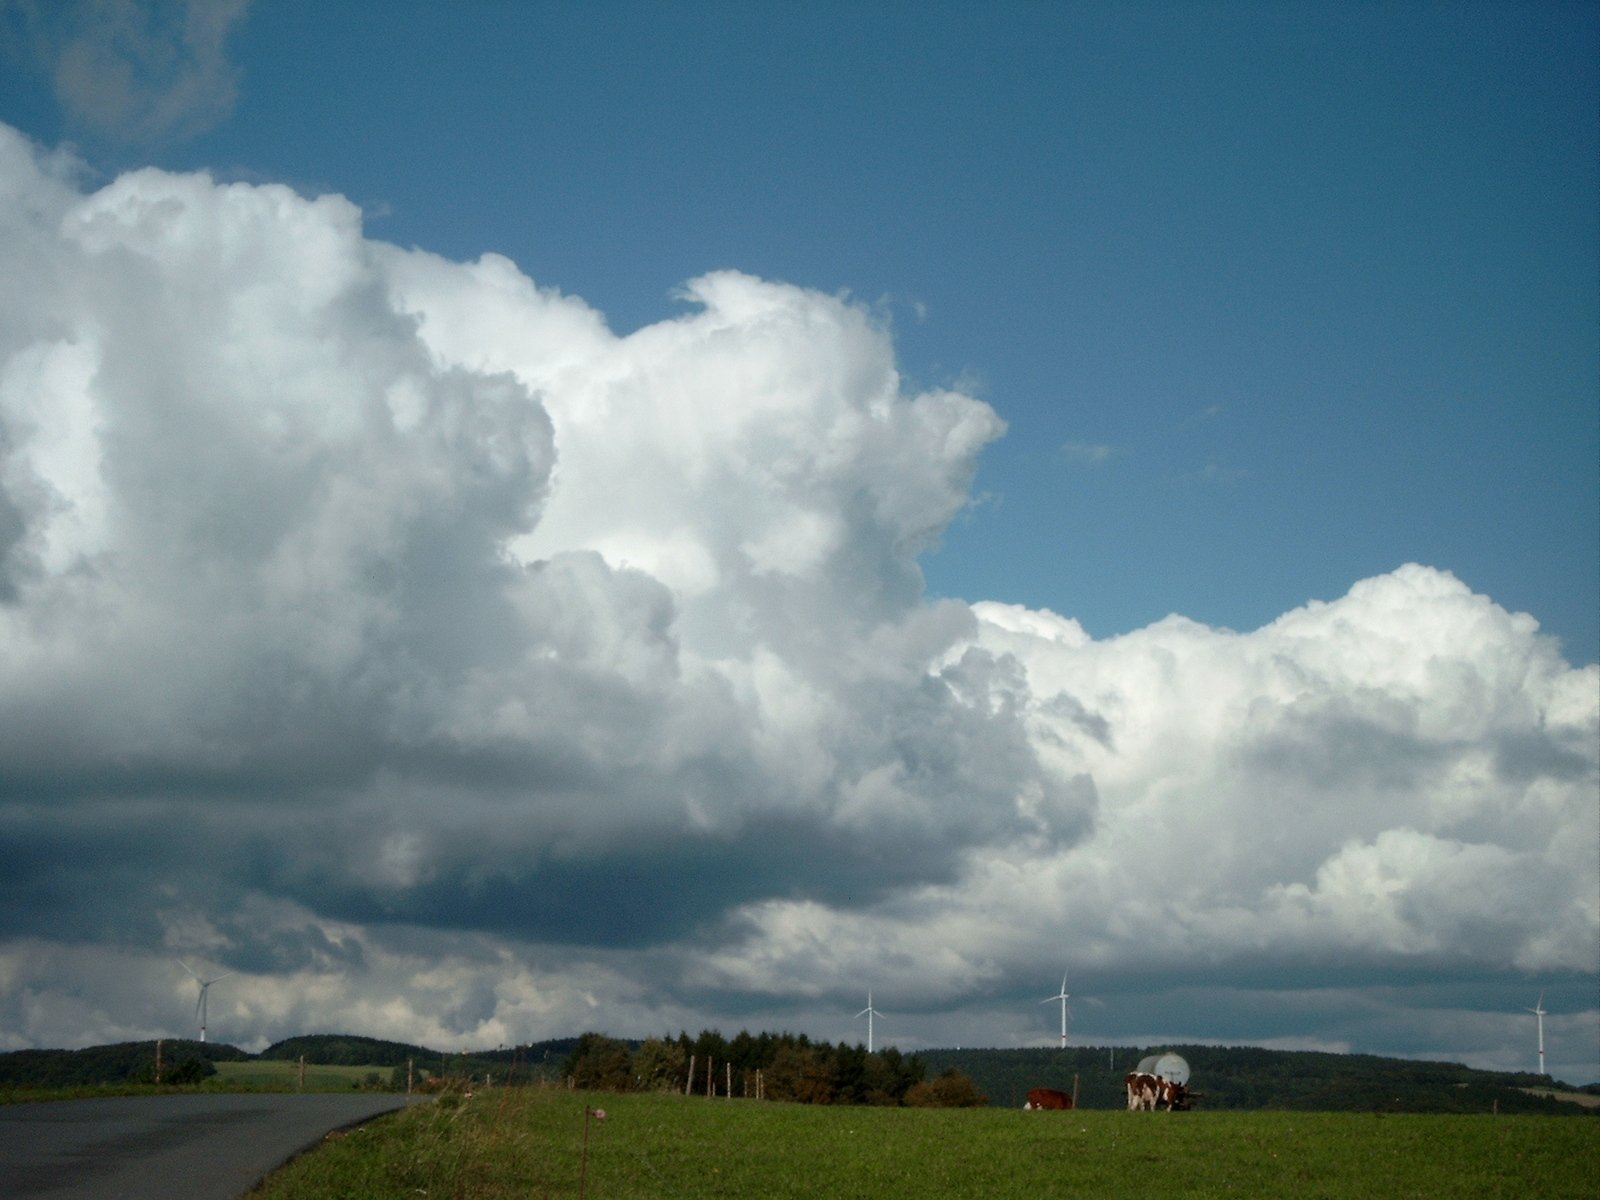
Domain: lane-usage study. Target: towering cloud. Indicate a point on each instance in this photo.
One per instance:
(363, 611)
(494, 601)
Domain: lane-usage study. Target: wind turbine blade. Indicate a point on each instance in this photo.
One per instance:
(188, 968)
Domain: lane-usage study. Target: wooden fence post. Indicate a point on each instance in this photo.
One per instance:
(688, 1088)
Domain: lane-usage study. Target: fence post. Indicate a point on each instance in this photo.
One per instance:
(688, 1088)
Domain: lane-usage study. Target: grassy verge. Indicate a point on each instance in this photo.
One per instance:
(528, 1143)
(247, 1076)
(38, 1095)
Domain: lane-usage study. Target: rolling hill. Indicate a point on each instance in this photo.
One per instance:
(1223, 1077)
(1248, 1077)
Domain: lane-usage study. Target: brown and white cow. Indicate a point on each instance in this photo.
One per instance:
(1047, 1098)
(1149, 1092)
(1143, 1090)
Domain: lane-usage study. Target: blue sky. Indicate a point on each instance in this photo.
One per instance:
(1270, 300)
(1272, 297)
(1323, 283)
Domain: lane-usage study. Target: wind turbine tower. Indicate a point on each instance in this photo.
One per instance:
(1061, 996)
(205, 988)
(1539, 1010)
(869, 1012)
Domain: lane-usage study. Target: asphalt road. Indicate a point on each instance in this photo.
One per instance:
(209, 1146)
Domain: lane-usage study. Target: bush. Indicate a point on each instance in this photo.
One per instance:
(190, 1071)
(659, 1066)
(601, 1064)
(952, 1089)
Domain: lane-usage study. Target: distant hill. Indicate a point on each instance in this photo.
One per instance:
(1250, 1077)
(118, 1063)
(346, 1050)
(128, 1062)
(1239, 1077)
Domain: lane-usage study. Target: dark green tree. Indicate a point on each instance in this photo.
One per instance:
(801, 1073)
(602, 1064)
(850, 1075)
(659, 1066)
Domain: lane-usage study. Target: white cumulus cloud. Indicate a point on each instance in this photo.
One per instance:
(389, 630)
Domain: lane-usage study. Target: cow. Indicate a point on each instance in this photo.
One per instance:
(1047, 1098)
(1149, 1092)
(1143, 1090)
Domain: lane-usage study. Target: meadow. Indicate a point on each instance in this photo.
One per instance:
(530, 1142)
(246, 1075)
(270, 1075)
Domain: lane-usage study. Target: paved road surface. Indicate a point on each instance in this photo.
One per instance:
(209, 1146)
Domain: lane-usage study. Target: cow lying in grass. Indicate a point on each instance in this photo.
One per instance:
(1047, 1098)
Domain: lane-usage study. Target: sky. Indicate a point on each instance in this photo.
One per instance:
(518, 519)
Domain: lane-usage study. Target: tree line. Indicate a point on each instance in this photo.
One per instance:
(1250, 1077)
(791, 1067)
(182, 1061)
(773, 1066)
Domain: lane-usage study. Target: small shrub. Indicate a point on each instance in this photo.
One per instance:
(952, 1089)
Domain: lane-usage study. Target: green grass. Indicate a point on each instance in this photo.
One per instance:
(274, 1076)
(82, 1091)
(260, 1075)
(527, 1143)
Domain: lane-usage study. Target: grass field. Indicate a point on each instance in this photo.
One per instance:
(270, 1075)
(528, 1143)
(261, 1075)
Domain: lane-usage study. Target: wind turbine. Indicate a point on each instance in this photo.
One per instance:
(205, 987)
(1061, 996)
(1538, 1010)
(869, 1012)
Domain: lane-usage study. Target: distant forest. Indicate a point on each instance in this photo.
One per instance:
(1250, 1077)
(782, 1066)
(182, 1061)
(793, 1068)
